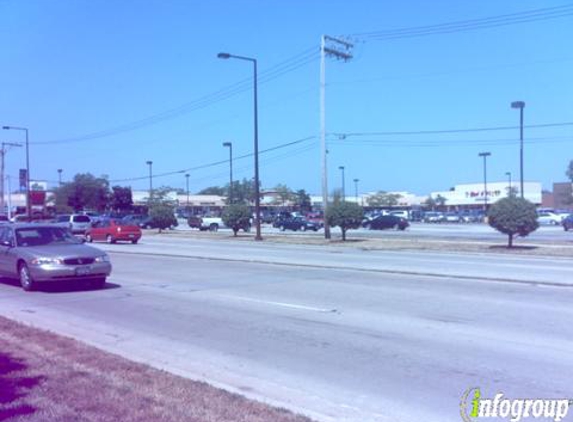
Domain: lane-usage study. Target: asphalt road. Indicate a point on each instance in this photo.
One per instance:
(339, 334)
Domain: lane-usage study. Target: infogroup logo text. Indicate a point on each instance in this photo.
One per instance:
(473, 407)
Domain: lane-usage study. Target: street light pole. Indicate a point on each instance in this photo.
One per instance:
(230, 146)
(485, 155)
(150, 164)
(28, 204)
(60, 177)
(3, 152)
(356, 189)
(341, 168)
(187, 186)
(508, 174)
(256, 135)
(520, 105)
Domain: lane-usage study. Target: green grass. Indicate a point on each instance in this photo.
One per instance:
(46, 377)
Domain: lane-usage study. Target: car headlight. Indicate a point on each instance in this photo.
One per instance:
(102, 258)
(46, 261)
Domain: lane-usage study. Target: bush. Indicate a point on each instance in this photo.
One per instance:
(346, 215)
(237, 216)
(513, 216)
(162, 216)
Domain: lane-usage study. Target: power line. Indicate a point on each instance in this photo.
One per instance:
(289, 65)
(344, 135)
(471, 24)
(215, 163)
(401, 143)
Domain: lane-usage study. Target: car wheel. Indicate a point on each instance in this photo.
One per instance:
(213, 227)
(89, 238)
(303, 228)
(396, 227)
(134, 241)
(565, 227)
(26, 280)
(283, 228)
(109, 239)
(368, 226)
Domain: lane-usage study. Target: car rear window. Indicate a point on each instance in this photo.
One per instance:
(81, 219)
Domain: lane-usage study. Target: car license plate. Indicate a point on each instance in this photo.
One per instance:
(131, 235)
(83, 270)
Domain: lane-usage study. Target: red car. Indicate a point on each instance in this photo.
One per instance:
(112, 231)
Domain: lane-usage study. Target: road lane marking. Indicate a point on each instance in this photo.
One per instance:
(282, 304)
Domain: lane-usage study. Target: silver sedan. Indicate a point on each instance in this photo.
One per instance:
(38, 253)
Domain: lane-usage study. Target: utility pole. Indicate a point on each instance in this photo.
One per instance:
(341, 50)
(3, 154)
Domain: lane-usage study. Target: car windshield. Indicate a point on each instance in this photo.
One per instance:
(39, 236)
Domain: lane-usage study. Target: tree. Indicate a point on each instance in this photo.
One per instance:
(284, 194)
(430, 203)
(214, 190)
(569, 171)
(513, 215)
(383, 199)
(346, 215)
(441, 201)
(85, 191)
(121, 198)
(302, 200)
(237, 216)
(244, 192)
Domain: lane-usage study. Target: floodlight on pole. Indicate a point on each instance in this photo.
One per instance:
(230, 146)
(256, 140)
(520, 105)
(28, 204)
(485, 155)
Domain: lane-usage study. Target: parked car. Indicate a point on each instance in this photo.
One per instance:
(77, 223)
(452, 217)
(145, 221)
(567, 222)
(387, 222)
(37, 253)
(112, 231)
(546, 217)
(433, 217)
(401, 213)
(299, 223)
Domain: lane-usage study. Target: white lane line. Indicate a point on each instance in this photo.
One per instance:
(282, 304)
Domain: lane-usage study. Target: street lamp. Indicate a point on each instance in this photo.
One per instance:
(60, 177)
(256, 135)
(485, 155)
(520, 105)
(341, 168)
(150, 164)
(28, 205)
(230, 146)
(508, 174)
(187, 185)
(3, 152)
(356, 189)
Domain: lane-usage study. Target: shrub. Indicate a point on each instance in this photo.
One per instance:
(346, 215)
(513, 216)
(237, 216)
(162, 216)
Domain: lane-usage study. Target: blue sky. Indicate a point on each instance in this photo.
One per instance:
(145, 74)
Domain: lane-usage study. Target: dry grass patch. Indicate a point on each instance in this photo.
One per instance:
(46, 377)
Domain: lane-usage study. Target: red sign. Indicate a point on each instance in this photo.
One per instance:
(37, 197)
